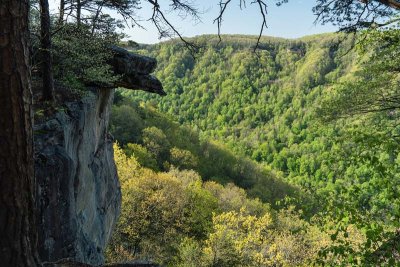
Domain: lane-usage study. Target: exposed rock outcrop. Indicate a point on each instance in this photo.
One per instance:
(78, 190)
(135, 71)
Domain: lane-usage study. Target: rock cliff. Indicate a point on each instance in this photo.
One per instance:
(135, 71)
(78, 189)
(78, 192)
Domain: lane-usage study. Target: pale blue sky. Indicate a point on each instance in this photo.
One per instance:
(292, 20)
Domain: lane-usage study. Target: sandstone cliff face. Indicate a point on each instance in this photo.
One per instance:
(78, 190)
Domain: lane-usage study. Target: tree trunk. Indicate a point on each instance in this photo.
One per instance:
(45, 43)
(78, 12)
(18, 232)
(96, 17)
(62, 10)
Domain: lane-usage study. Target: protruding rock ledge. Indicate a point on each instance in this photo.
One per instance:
(135, 71)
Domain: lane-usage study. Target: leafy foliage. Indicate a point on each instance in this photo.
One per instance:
(161, 144)
(81, 57)
(268, 108)
(176, 219)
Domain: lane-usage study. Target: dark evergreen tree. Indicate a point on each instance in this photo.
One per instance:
(46, 51)
(18, 233)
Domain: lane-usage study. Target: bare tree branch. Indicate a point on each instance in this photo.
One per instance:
(263, 11)
(164, 26)
(223, 5)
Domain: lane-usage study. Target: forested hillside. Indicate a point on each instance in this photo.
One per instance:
(280, 124)
(263, 152)
(268, 106)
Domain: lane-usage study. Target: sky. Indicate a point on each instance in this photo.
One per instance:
(291, 20)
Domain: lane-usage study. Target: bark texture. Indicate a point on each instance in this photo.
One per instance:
(18, 238)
